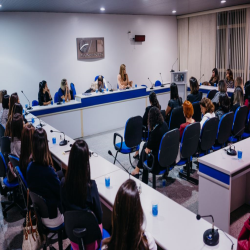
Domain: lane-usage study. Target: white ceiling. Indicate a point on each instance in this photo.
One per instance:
(134, 7)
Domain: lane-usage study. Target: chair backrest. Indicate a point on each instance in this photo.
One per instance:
(211, 94)
(72, 87)
(208, 133)
(2, 130)
(5, 147)
(197, 111)
(35, 103)
(225, 128)
(3, 166)
(39, 205)
(157, 83)
(22, 184)
(163, 113)
(169, 148)
(82, 220)
(176, 118)
(97, 77)
(190, 139)
(239, 121)
(56, 97)
(14, 160)
(248, 122)
(133, 131)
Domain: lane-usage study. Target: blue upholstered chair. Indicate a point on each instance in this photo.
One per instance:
(176, 118)
(157, 83)
(211, 94)
(246, 134)
(35, 103)
(56, 97)
(132, 138)
(72, 87)
(197, 111)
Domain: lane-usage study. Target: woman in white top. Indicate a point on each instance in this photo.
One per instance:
(128, 225)
(122, 78)
(207, 110)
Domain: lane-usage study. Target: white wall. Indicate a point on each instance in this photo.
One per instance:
(42, 46)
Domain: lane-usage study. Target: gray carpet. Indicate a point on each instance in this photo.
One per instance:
(181, 191)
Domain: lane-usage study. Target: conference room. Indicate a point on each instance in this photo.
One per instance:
(125, 125)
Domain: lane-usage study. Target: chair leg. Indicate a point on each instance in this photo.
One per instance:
(187, 175)
(154, 181)
(130, 161)
(60, 243)
(115, 156)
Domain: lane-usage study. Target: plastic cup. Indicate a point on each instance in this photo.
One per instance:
(26, 106)
(96, 91)
(107, 89)
(54, 140)
(154, 208)
(239, 154)
(51, 102)
(107, 181)
(135, 85)
(63, 100)
(32, 119)
(200, 83)
(214, 84)
(164, 182)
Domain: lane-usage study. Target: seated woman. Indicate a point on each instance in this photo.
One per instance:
(207, 109)
(63, 92)
(214, 78)
(26, 154)
(229, 78)
(42, 178)
(13, 99)
(224, 106)
(222, 90)
(195, 95)
(158, 128)
(128, 223)
(238, 99)
(16, 133)
(175, 100)
(78, 190)
(188, 112)
(122, 78)
(153, 103)
(99, 84)
(238, 82)
(44, 96)
(5, 109)
(2, 94)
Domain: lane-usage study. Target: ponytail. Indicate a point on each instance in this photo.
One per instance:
(154, 101)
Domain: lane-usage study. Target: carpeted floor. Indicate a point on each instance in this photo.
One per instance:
(181, 191)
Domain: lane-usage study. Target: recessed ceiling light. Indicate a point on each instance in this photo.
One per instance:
(223, 1)
(174, 11)
(102, 9)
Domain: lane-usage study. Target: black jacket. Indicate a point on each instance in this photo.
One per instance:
(194, 98)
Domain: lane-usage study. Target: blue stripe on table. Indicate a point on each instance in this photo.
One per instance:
(215, 174)
(158, 91)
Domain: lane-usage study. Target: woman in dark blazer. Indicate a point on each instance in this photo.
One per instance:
(158, 128)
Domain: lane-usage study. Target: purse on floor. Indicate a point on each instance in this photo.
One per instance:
(244, 236)
(31, 237)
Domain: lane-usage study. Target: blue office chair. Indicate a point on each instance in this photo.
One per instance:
(82, 228)
(2, 131)
(97, 77)
(167, 154)
(56, 97)
(176, 118)
(157, 83)
(211, 94)
(188, 147)
(72, 87)
(224, 131)
(246, 134)
(238, 127)
(132, 138)
(22, 184)
(35, 103)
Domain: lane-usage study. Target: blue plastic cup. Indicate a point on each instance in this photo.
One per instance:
(23, 111)
(154, 209)
(164, 182)
(32, 119)
(51, 103)
(107, 89)
(200, 83)
(135, 85)
(239, 154)
(214, 84)
(26, 106)
(63, 100)
(96, 91)
(54, 140)
(107, 181)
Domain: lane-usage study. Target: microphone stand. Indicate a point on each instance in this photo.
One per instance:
(200, 78)
(62, 143)
(161, 81)
(173, 66)
(111, 90)
(152, 86)
(29, 108)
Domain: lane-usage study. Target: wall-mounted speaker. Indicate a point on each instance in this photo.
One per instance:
(139, 38)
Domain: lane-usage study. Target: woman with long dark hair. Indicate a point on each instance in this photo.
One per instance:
(128, 222)
(195, 95)
(26, 148)
(158, 128)
(42, 178)
(224, 106)
(214, 78)
(44, 96)
(229, 78)
(5, 109)
(175, 100)
(13, 99)
(79, 191)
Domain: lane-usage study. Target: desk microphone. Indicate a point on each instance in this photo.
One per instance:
(152, 86)
(173, 65)
(29, 108)
(40, 125)
(200, 78)
(161, 81)
(110, 153)
(111, 90)
(210, 236)
(62, 143)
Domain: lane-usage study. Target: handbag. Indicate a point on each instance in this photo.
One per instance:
(31, 237)
(11, 176)
(244, 236)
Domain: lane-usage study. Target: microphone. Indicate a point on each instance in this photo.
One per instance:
(152, 86)
(173, 65)
(200, 78)
(161, 81)
(110, 153)
(210, 236)
(62, 143)
(40, 125)
(111, 90)
(29, 108)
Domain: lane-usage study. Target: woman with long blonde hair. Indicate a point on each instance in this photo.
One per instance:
(122, 78)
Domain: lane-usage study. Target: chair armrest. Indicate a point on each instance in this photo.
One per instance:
(144, 132)
(144, 158)
(114, 141)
